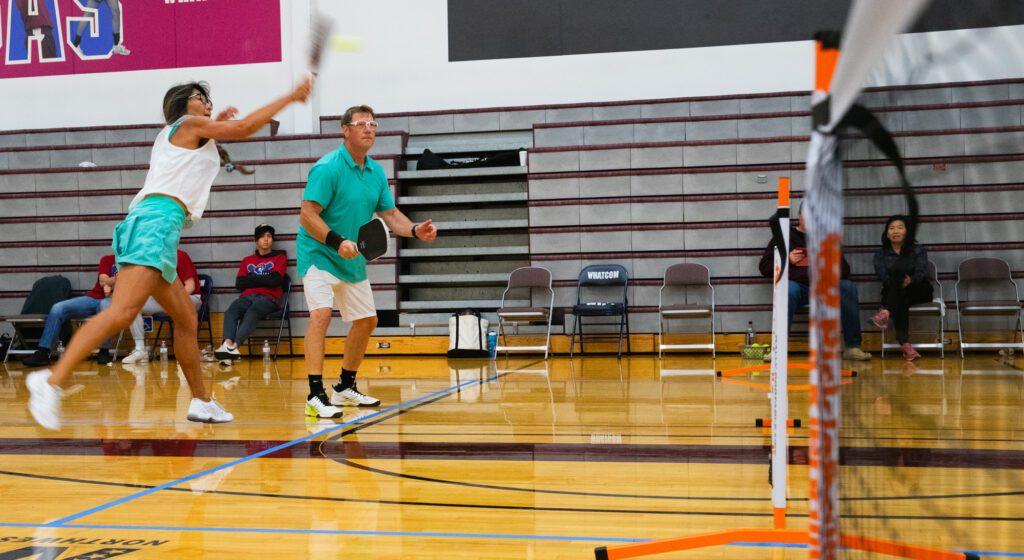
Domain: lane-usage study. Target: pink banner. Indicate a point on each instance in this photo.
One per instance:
(59, 37)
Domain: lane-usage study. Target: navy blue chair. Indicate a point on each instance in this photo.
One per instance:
(598, 294)
(205, 290)
(282, 321)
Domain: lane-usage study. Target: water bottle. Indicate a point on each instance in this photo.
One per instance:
(751, 334)
(163, 355)
(492, 344)
(60, 347)
(266, 352)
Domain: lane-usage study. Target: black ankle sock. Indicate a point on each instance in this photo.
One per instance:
(117, 38)
(316, 385)
(347, 380)
(77, 40)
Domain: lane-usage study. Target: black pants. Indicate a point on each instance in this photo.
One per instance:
(241, 317)
(898, 301)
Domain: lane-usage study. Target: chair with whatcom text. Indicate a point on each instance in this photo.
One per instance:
(601, 291)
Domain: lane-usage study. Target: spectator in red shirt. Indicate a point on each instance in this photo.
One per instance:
(260, 278)
(81, 307)
(189, 277)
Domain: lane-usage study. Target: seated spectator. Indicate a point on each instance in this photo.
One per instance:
(261, 280)
(799, 288)
(81, 307)
(190, 278)
(902, 267)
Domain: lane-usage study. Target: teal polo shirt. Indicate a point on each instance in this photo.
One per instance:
(349, 195)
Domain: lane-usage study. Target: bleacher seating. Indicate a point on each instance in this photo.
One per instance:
(641, 183)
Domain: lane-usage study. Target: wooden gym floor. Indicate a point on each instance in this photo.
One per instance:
(518, 458)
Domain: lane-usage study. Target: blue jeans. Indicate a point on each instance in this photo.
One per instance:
(849, 308)
(81, 307)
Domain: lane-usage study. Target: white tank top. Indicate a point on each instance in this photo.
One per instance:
(180, 172)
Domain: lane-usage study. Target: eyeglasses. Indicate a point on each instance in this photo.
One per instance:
(203, 98)
(361, 124)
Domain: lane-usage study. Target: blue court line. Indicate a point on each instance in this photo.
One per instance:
(64, 520)
(422, 534)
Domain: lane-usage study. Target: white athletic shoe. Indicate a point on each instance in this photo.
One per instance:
(45, 399)
(352, 397)
(136, 357)
(208, 412)
(225, 352)
(318, 407)
(122, 50)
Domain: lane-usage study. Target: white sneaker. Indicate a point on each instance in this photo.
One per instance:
(136, 357)
(225, 352)
(45, 400)
(317, 407)
(208, 412)
(352, 397)
(121, 49)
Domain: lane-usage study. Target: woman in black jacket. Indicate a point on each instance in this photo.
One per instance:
(901, 265)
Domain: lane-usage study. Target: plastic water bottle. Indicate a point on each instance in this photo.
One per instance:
(266, 351)
(492, 344)
(60, 347)
(751, 334)
(163, 355)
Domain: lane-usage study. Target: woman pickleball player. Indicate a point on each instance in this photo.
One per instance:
(182, 167)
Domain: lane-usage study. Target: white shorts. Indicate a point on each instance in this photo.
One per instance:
(353, 300)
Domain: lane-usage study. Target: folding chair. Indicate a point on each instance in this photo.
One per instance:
(528, 278)
(601, 280)
(992, 276)
(28, 325)
(683, 277)
(935, 308)
(284, 322)
(205, 290)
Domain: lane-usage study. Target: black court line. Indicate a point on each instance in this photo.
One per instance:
(650, 497)
(689, 513)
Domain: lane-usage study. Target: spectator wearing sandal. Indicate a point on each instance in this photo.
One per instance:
(901, 265)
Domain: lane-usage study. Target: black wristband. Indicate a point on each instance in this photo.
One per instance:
(414, 231)
(334, 240)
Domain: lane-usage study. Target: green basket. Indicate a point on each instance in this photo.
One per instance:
(754, 352)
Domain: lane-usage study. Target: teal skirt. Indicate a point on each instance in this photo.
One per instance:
(149, 235)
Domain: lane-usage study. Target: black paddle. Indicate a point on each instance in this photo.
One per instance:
(373, 239)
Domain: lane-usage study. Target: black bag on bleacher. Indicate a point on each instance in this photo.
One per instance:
(429, 160)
